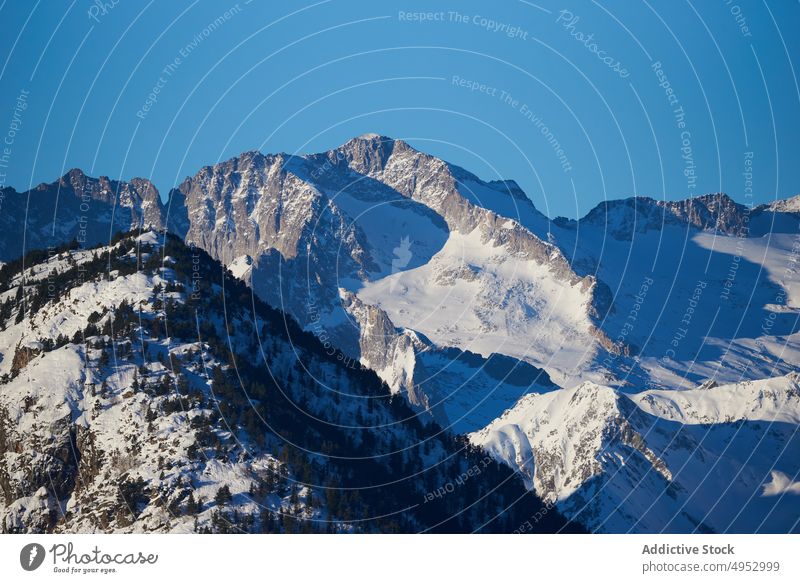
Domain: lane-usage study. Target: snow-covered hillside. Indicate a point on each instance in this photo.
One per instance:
(694, 305)
(485, 298)
(107, 426)
(706, 459)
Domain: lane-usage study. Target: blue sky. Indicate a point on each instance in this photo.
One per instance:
(570, 99)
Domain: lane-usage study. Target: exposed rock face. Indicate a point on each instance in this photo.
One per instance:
(23, 355)
(78, 207)
(256, 206)
(307, 225)
(319, 223)
(718, 213)
(624, 218)
(44, 462)
(251, 204)
(390, 352)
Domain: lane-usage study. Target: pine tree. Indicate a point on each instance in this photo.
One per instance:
(223, 496)
(192, 506)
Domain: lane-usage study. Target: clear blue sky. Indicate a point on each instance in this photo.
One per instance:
(303, 77)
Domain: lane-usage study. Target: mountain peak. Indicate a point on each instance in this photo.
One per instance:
(73, 173)
(377, 140)
(75, 177)
(372, 136)
(786, 205)
(368, 152)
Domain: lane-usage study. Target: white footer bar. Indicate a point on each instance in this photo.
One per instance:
(401, 558)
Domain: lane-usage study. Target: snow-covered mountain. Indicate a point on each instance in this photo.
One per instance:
(401, 230)
(143, 388)
(473, 265)
(712, 459)
(694, 304)
(572, 350)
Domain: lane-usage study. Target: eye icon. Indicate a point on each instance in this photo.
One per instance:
(31, 556)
